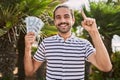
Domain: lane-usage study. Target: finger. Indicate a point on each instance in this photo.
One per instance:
(83, 24)
(31, 33)
(83, 14)
(89, 21)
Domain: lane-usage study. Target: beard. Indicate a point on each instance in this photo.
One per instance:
(65, 29)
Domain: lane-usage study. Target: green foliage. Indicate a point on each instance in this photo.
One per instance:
(13, 12)
(115, 73)
(78, 19)
(8, 18)
(12, 15)
(34, 49)
(107, 17)
(49, 30)
(95, 74)
(42, 78)
(34, 7)
(116, 64)
(2, 32)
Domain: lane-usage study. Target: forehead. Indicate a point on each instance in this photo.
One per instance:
(62, 11)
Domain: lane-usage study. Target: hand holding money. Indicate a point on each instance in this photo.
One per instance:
(33, 24)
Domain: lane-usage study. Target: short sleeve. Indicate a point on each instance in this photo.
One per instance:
(89, 49)
(40, 53)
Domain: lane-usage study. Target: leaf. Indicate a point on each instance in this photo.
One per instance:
(2, 32)
(8, 24)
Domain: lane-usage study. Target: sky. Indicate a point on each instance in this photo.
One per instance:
(77, 5)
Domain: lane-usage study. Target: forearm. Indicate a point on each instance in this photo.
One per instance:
(28, 62)
(102, 56)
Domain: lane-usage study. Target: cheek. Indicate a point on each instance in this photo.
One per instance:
(71, 22)
(56, 22)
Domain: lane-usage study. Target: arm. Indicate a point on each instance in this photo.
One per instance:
(100, 58)
(30, 65)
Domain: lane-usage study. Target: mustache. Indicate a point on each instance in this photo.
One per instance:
(63, 23)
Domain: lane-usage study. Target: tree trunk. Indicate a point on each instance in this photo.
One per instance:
(108, 44)
(7, 58)
(21, 46)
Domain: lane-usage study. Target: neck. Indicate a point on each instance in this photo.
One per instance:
(65, 35)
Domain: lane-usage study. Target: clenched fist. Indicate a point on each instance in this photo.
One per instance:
(29, 39)
(89, 24)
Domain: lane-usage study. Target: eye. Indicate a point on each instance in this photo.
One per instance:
(58, 17)
(67, 16)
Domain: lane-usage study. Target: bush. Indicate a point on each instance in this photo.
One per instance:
(116, 65)
(113, 75)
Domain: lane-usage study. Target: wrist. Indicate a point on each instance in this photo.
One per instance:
(27, 51)
(94, 34)
(28, 45)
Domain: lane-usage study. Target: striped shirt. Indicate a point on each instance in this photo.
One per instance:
(65, 59)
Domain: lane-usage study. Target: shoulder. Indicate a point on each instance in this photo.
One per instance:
(80, 40)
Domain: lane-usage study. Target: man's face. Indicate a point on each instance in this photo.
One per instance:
(63, 20)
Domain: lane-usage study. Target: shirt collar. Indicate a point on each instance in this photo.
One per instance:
(58, 37)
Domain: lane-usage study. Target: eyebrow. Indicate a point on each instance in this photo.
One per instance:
(68, 15)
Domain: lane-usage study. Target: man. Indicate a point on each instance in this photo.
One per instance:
(64, 53)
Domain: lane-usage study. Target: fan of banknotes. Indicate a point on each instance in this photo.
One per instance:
(33, 24)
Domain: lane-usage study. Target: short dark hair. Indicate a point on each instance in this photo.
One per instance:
(63, 6)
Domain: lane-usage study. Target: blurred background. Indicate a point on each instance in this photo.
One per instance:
(13, 30)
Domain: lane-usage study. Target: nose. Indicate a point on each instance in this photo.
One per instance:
(62, 20)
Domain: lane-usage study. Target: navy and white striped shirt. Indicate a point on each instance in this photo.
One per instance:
(65, 59)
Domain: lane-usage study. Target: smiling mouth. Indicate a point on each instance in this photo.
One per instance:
(63, 25)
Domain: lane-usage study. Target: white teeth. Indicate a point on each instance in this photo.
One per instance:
(63, 25)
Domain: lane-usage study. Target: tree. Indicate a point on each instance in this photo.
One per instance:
(9, 19)
(107, 18)
(12, 28)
